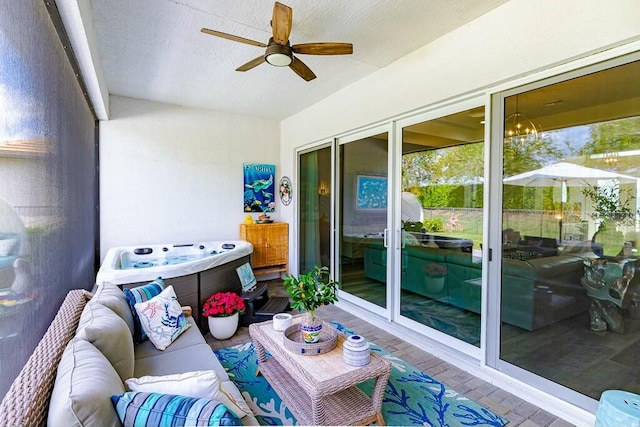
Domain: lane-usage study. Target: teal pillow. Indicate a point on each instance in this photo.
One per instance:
(141, 294)
(136, 408)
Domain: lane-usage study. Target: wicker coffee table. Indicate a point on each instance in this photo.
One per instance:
(320, 390)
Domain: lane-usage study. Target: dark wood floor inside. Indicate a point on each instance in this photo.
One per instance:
(567, 352)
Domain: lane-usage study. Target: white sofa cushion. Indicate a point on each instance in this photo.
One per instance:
(109, 334)
(83, 388)
(191, 384)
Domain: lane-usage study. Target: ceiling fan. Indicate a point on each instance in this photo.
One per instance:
(279, 52)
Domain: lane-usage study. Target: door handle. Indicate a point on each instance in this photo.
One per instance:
(386, 230)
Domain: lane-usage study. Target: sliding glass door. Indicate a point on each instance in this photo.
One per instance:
(570, 266)
(442, 170)
(363, 208)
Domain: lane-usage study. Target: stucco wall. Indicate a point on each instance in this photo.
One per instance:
(174, 175)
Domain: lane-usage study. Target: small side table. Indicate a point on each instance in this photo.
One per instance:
(322, 389)
(618, 408)
(259, 307)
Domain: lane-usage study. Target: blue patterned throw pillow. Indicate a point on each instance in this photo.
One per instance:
(141, 294)
(137, 408)
(162, 318)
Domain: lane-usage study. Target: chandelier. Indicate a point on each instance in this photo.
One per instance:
(519, 129)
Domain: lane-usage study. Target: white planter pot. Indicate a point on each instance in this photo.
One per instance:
(434, 285)
(222, 328)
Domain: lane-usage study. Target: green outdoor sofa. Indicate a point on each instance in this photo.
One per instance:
(537, 292)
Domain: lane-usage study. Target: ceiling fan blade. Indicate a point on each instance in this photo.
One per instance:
(301, 69)
(251, 64)
(232, 37)
(324, 48)
(281, 23)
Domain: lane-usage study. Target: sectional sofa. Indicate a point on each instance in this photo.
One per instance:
(536, 292)
(88, 355)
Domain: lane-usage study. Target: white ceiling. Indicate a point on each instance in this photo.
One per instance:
(154, 50)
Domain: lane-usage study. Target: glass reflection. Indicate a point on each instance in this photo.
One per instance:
(570, 282)
(363, 218)
(442, 170)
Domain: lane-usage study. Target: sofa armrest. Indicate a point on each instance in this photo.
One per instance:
(27, 401)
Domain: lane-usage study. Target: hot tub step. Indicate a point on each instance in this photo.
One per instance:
(260, 307)
(273, 306)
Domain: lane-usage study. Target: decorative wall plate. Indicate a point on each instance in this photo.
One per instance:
(285, 190)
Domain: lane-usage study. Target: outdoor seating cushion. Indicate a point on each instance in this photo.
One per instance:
(552, 267)
(152, 409)
(162, 319)
(141, 294)
(189, 337)
(194, 358)
(110, 335)
(84, 383)
(113, 297)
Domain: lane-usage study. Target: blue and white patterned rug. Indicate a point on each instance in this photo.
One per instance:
(411, 398)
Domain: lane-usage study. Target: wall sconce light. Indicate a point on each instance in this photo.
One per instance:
(322, 190)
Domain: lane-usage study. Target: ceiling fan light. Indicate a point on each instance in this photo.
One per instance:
(278, 55)
(279, 59)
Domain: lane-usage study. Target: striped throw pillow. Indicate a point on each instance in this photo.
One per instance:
(156, 409)
(141, 294)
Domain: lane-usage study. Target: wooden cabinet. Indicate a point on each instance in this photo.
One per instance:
(270, 246)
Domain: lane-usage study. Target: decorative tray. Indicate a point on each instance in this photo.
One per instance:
(264, 221)
(294, 342)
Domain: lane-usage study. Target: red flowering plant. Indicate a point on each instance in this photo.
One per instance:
(435, 270)
(223, 304)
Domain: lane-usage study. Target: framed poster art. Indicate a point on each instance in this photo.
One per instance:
(371, 192)
(259, 187)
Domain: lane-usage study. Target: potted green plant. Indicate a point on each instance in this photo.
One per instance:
(308, 292)
(612, 208)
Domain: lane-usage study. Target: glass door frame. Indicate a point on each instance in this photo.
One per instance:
(460, 104)
(387, 128)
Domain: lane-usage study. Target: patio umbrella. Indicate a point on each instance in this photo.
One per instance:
(567, 175)
(411, 207)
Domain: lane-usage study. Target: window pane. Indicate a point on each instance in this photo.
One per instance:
(363, 218)
(315, 209)
(47, 182)
(570, 214)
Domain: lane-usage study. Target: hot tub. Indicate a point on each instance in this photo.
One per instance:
(195, 270)
(130, 264)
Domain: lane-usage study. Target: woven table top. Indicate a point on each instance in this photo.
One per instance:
(322, 368)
